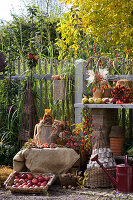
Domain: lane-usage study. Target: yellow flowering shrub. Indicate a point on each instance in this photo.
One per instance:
(109, 22)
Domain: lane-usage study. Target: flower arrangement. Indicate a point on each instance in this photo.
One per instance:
(122, 94)
(98, 78)
(32, 60)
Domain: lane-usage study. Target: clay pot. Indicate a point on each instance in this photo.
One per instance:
(116, 132)
(116, 140)
(116, 146)
(107, 92)
(98, 93)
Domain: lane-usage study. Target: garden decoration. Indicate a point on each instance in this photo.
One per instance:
(62, 130)
(59, 82)
(27, 182)
(122, 94)
(28, 115)
(95, 176)
(124, 175)
(98, 78)
(119, 94)
(116, 140)
(48, 117)
(42, 130)
(2, 62)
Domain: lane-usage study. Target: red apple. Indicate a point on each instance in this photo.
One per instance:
(44, 183)
(29, 181)
(71, 144)
(67, 144)
(75, 144)
(39, 184)
(14, 186)
(34, 181)
(40, 178)
(119, 102)
(47, 178)
(21, 180)
(16, 180)
(26, 179)
(105, 100)
(29, 184)
(112, 101)
(16, 177)
(33, 186)
(25, 186)
(18, 184)
(24, 176)
(29, 176)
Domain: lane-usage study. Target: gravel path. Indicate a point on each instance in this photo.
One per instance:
(56, 192)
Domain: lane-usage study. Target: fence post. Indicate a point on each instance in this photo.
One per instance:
(80, 86)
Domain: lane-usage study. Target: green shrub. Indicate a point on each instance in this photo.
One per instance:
(7, 152)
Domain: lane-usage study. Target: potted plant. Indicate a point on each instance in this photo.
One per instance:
(98, 78)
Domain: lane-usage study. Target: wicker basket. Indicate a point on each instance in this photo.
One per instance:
(67, 179)
(97, 178)
(9, 182)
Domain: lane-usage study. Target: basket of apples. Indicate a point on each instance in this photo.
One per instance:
(27, 182)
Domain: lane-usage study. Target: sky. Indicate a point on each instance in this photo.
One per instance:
(16, 6)
(8, 5)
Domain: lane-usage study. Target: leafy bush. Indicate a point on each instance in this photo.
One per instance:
(7, 152)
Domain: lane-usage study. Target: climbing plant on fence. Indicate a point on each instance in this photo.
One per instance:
(42, 86)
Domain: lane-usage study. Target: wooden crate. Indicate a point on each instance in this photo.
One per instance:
(9, 182)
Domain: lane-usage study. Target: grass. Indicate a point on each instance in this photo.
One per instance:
(5, 171)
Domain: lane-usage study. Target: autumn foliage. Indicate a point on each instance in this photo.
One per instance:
(106, 23)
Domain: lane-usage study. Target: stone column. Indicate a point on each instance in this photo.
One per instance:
(80, 87)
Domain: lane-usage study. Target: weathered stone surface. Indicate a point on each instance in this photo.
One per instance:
(57, 193)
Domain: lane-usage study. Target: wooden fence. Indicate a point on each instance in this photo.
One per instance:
(43, 87)
(75, 84)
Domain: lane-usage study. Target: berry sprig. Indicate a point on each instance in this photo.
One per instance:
(122, 93)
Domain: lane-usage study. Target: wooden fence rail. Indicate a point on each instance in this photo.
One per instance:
(43, 87)
(75, 85)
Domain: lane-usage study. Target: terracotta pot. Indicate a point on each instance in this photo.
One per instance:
(116, 146)
(116, 132)
(98, 93)
(107, 92)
